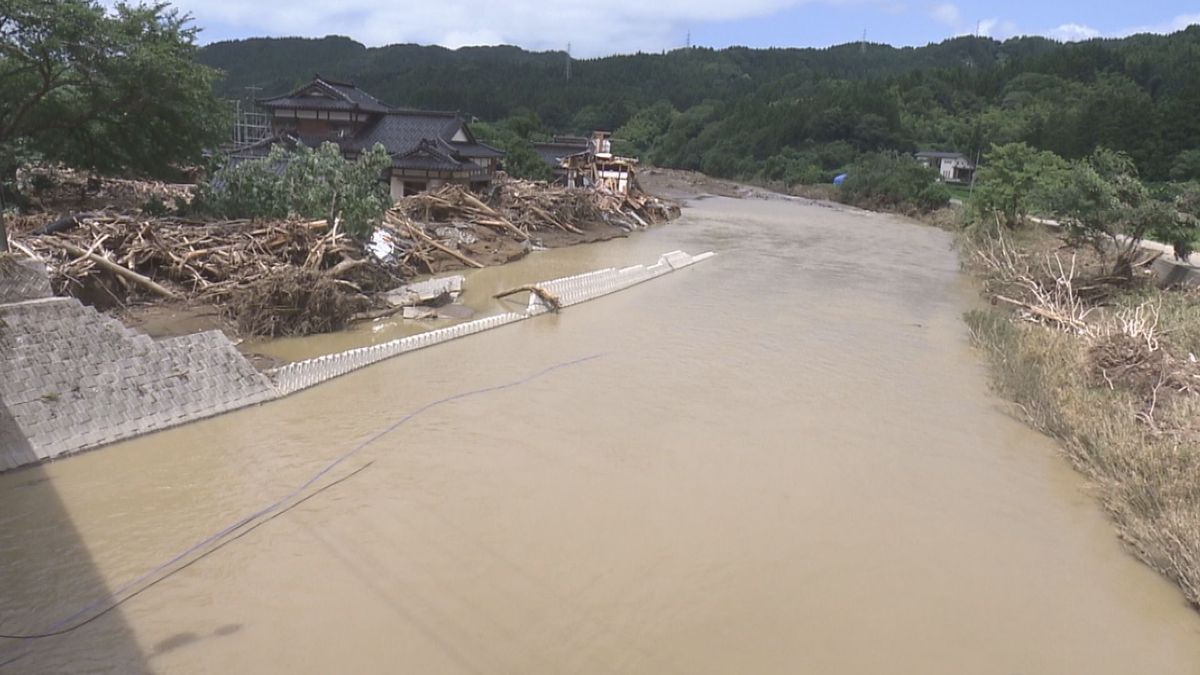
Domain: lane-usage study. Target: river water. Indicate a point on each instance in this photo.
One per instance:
(785, 460)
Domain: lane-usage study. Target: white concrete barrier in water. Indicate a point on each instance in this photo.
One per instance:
(569, 291)
(72, 379)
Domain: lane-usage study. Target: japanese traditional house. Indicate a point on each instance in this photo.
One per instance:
(428, 148)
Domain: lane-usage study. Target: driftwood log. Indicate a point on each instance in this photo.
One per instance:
(547, 297)
(123, 272)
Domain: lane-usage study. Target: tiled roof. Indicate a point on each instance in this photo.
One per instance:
(941, 155)
(433, 156)
(401, 131)
(552, 153)
(329, 95)
(480, 150)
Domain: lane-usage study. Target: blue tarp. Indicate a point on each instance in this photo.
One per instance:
(839, 179)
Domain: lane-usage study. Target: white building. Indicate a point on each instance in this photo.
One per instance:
(952, 166)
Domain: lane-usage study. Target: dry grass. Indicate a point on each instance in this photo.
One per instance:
(949, 219)
(1112, 375)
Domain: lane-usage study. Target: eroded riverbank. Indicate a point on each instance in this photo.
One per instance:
(786, 461)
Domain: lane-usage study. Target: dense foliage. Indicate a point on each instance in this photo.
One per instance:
(1013, 182)
(306, 183)
(1099, 200)
(794, 115)
(103, 90)
(893, 182)
(515, 136)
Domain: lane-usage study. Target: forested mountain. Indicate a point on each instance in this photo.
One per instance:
(792, 114)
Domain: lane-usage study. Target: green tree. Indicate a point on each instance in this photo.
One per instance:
(1186, 165)
(889, 180)
(638, 136)
(308, 183)
(102, 90)
(1010, 182)
(1185, 231)
(1102, 202)
(520, 158)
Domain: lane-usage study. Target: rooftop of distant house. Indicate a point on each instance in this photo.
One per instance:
(938, 154)
(425, 139)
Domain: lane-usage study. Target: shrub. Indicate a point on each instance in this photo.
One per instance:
(1011, 181)
(307, 183)
(891, 181)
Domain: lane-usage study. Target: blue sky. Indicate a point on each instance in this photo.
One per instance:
(616, 26)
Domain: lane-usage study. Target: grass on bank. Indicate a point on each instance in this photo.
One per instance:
(1111, 372)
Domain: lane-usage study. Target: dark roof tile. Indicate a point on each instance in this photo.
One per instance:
(322, 94)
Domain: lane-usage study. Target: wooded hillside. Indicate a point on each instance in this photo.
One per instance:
(788, 114)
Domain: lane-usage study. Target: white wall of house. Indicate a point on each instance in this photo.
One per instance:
(617, 181)
(948, 167)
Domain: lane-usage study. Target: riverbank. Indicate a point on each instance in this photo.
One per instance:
(1108, 367)
(171, 275)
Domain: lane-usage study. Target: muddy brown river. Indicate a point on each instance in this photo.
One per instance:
(786, 460)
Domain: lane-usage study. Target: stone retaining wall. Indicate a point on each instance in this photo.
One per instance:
(72, 378)
(22, 279)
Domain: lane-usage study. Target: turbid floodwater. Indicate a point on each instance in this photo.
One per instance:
(785, 460)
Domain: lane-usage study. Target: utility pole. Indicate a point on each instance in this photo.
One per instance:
(689, 39)
(862, 46)
(568, 61)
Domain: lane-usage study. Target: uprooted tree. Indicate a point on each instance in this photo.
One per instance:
(104, 90)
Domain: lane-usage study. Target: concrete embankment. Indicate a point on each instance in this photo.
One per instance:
(75, 379)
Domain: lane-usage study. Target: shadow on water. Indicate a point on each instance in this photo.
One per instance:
(37, 534)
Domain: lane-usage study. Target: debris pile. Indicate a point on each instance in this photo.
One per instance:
(452, 227)
(107, 259)
(48, 186)
(293, 301)
(292, 277)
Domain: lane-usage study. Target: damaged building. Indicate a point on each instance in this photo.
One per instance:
(588, 162)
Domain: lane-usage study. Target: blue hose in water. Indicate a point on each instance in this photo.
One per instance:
(111, 601)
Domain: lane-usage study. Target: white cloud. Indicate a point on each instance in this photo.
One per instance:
(1177, 24)
(948, 14)
(1073, 32)
(996, 28)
